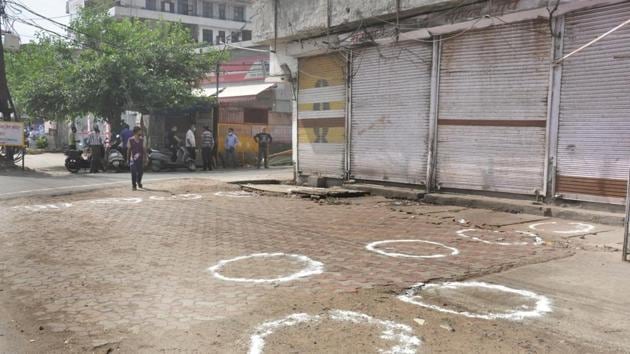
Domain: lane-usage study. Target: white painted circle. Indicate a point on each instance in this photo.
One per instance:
(43, 207)
(579, 227)
(402, 335)
(116, 201)
(176, 197)
(372, 247)
(543, 304)
(235, 194)
(312, 268)
(536, 239)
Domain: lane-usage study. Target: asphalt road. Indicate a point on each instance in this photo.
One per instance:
(48, 176)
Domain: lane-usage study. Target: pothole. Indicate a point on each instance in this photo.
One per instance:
(324, 333)
(503, 238)
(478, 300)
(412, 249)
(266, 268)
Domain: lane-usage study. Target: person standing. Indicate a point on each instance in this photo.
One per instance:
(95, 142)
(136, 155)
(125, 135)
(173, 143)
(72, 138)
(207, 144)
(231, 142)
(264, 140)
(191, 144)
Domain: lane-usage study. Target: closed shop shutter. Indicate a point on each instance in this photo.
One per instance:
(594, 129)
(322, 115)
(493, 109)
(391, 90)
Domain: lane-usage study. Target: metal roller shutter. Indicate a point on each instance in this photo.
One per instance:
(391, 90)
(594, 127)
(493, 109)
(322, 115)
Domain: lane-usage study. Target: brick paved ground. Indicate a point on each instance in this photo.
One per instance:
(136, 274)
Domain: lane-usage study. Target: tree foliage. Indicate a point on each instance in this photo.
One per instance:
(110, 66)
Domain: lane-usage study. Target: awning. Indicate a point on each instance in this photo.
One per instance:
(235, 93)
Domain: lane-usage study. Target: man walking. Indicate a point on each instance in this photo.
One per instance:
(191, 144)
(231, 142)
(95, 142)
(264, 140)
(136, 156)
(207, 143)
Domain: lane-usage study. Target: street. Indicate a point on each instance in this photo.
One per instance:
(198, 266)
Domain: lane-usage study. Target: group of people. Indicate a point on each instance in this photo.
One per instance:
(133, 148)
(231, 142)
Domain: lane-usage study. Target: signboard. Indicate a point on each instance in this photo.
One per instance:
(11, 133)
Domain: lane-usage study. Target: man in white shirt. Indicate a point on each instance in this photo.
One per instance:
(95, 142)
(190, 142)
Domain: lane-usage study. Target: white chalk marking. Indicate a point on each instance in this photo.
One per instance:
(235, 194)
(537, 240)
(580, 227)
(372, 247)
(400, 334)
(43, 207)
(543, 304)
(116, 201)
(176, 197)
(312, 268)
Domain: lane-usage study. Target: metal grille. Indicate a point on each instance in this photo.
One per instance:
(391, 90)
(594, 127)
(493, 109)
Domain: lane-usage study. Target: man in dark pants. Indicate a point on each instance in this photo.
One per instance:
(191, 143)
(173, 143)
(264, 140)
(136, 156)
(95, 142)
(207, 143)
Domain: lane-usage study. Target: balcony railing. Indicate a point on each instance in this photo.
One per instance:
(187, 11)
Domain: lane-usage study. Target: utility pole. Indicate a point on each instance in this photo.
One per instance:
(5, 97)
(215, 120)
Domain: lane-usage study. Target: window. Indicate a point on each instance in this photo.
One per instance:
(207, 9)
(247, 35)
(239, 13)
(151, 4)
(221, 37)
(256, 115)
(168, 6)
(222, 11)
(207, 36)
(235, 37)
(182, 7)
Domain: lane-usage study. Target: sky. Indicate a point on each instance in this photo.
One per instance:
(48, 8)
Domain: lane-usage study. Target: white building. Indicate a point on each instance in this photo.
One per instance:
(212, 22)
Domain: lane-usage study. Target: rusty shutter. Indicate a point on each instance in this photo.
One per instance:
(594, 127)
(322, 115)
(391, 90)
(493, 109)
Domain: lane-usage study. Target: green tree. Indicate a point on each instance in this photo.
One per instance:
(110, 66)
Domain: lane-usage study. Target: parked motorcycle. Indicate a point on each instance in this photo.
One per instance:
(114, 156)
(160, 160)
(75, 161)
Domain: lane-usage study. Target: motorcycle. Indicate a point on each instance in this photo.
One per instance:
(75, 161)
(160, 160)
(114, 156)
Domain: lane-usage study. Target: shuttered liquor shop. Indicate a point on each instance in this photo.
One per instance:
(391, 88)
(492, 113)
(321, 115)
(594, 127)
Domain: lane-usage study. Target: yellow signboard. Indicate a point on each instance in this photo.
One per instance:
(11, 133)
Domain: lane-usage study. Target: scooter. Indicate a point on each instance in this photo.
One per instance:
(160, 160)
(115, 158)
(75, 161)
